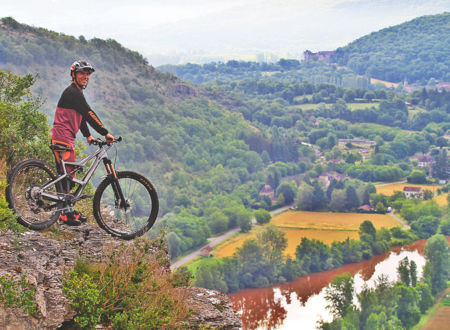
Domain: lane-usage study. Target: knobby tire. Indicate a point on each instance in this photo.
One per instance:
(138, 214)
(21, 194)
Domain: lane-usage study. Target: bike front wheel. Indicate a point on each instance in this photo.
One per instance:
(24, 194)
(130, 216)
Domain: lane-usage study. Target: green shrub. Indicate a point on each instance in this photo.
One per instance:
(17, 294)
(85, 298)
(129, 289)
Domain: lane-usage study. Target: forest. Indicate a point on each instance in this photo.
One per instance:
(211, 148)
(415, 51)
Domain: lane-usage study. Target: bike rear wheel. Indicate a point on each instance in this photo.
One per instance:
(23, 194)
(131, 217)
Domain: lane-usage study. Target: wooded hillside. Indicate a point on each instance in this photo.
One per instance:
(417, 51)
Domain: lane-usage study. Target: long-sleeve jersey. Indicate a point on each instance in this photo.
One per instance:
(72, 114)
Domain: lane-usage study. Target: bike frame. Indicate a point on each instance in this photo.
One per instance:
(98, 155)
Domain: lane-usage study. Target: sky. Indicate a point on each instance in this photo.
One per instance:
(177, 31)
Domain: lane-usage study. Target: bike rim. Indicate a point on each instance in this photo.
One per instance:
(31, 208)
(131, 217)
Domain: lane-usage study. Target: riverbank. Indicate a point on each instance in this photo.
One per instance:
(437, 317)
(285, 306)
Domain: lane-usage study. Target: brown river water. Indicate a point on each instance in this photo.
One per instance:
(301, 303)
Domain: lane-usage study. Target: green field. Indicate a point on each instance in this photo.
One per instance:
(351, 106)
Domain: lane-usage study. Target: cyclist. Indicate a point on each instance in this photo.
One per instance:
(72, 114)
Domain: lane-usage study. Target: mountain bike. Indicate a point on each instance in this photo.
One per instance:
(125, 203)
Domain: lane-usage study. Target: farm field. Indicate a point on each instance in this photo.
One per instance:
(331, 221)
(325, 226)
(294, 237)
(441, 199)
(388, 84)
(351, 106)
(362, 105)
(388, 189)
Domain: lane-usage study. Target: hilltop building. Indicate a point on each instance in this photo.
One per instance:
(326, 56)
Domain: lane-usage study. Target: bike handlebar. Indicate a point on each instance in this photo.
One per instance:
(99, 142)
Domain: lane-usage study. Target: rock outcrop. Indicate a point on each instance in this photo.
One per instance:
(44, 258)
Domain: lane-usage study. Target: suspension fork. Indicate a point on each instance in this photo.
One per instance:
(118, 194)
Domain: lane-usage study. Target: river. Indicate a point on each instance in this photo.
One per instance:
(301, 303)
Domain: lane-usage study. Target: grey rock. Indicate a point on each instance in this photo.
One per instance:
(43, 260)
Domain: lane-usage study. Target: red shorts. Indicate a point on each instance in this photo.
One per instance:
(67, 156)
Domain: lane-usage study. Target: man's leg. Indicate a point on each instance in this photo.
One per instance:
(68, 216)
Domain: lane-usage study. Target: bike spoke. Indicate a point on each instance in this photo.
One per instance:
(125, 218)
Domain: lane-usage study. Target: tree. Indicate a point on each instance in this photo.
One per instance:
(274, 242)
(425, 226)
(174, 245)
(427, 194)
(288, 189)
(209, 276)
(24, 131)
(217, 222)
(403, 271)
(339, 294)
(252, 264)
(369, 96)
(351, 198)
(305, 197)
(262, 216)
(407, 304)
(445, 226)
(413, 273)
(352, 157)
(417, 176)
(313, 255)
(367, 228)
(319, 198)
(380, 208)
(426, 297)
(440, 166)
(338, 200)
(436, 253)
(349, 95)
(244, 220)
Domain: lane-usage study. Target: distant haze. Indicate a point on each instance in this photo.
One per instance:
(179, 31)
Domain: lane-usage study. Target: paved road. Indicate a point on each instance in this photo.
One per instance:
(216, 240)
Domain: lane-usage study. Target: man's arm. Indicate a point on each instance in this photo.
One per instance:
(80, 105)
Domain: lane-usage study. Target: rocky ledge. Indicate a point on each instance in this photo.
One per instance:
(43, 259)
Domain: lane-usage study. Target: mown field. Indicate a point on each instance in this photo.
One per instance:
(325, 226)
(351, 106)
(388, 84)
(330, 220)
(388, 189)
(441, 199)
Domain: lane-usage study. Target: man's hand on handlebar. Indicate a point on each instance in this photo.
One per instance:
(109, 138)
(90, 140)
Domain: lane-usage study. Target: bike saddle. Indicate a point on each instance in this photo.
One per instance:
(57, 147)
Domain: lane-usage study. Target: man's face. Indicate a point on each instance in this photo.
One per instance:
(82, 77)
